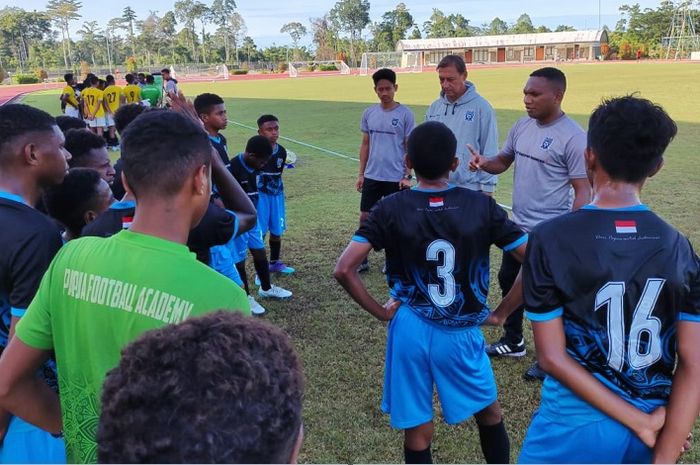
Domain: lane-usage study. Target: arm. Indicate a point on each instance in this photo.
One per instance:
(233, 196)
(550, 341)
(364, 156)
(493, 165)
(684, 404)
(514, 298)
(582, 193)
(346, 274)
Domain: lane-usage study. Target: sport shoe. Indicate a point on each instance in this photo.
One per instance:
(534, 373)
(275, 292)
(257, 280)
(255, 307)
(363, 268)
(280, 267)
(506, 349)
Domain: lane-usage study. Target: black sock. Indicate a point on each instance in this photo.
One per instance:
(417, 456)
(240, 266)
(275, 247)
(495, 443)
(262, 268)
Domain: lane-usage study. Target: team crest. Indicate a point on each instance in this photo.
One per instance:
(547, 142)
(279, 163)
(469, 116)
(395, 122)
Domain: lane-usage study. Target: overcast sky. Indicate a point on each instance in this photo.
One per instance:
(265, 18)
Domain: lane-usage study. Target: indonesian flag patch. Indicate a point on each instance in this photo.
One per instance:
(126, 221)
(435, 202)
(625, 227)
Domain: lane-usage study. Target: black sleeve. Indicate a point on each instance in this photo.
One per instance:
(691, 308)
(504, 233)
(216, 228)
(117, 187)
(374, 230)
(284, 158)
(539, 289)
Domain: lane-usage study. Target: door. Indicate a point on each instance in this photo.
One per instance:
(501, 55)
(469, 56)
(539, 54)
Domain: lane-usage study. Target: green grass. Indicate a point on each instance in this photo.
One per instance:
(342, 347)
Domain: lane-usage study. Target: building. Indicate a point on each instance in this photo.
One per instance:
(510, 48)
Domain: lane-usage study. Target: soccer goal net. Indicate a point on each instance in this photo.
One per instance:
(406, 62)
(196, 72)
(321, 67)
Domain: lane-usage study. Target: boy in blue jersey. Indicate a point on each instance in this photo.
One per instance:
(437, 238)
(271, 209)
(613, 293)
(212, 112)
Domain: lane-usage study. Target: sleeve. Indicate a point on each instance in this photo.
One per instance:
(28, 265)
(488, 138)
(691, 307)
(217, 227)
(374, 229)
(503, 232)
(574, 156)
(409, 123)
(364, 126)
(542, 302)
(509, 145)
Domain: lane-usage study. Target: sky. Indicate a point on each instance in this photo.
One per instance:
(264, 19)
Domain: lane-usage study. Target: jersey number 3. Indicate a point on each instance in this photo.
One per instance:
(644, 341)
(437, 250)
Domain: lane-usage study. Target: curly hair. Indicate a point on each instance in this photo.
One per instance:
(17, 119)
(126, 114)
(80, 142)
(220, 388)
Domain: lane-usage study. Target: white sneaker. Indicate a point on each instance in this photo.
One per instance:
(255, 308)
(275, 292)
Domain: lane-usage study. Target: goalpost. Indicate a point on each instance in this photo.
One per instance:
(402, 62)
(325, 67)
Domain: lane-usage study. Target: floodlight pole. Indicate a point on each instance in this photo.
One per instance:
(599, 17)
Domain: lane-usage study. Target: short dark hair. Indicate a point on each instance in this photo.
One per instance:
(203, 103)
(92, 80)
(126, 114)
(150, 79)
(259, 146)
(629, 135)
(17, 120)
(431, 148)
(384, 73)
(65, 123)
(79, 142)
(165, 70)
(141, 74)
(67, 202)
(266, 119)
(109, 78)
(68, 77)
(219, 388)
(553, 75)
(129, 78)
(453, 60)
(160, 149)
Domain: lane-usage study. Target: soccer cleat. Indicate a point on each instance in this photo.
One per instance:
(363, 268)
(275, 292)
(534, 373)
(255, 307)
(506, 349)
(257, 280)
(280, 267)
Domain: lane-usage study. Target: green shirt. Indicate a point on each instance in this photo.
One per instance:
(152, 93)
(100, 294)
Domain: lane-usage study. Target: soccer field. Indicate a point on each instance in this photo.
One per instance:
(341, 346)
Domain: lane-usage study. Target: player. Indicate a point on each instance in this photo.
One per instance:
(169, 84)
(385, 128)
(93, 109)
(132, 92)
(613, 293)
(66, 123)
(271, 208)
(100, 294)
(152, 92)
(113, 99)
(141, 80)
(89, 150)
(437, 238)
(32, 158)
(245, 168)
(212, 112)
(69, 96)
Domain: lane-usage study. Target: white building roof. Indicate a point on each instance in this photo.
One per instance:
(507, 40)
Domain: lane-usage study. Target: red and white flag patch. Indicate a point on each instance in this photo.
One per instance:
(435, 202)
(625, 227)
(126, 221)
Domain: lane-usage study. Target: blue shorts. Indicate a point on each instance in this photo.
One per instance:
(252, 239)
(559, 433)
(271, 214)
(26, 443)
(420, 354)
(224, 259)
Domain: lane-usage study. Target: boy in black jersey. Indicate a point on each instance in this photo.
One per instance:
(437, 238)
(613, 293)
(212, 112)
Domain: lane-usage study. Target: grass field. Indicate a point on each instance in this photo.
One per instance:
(341, 346)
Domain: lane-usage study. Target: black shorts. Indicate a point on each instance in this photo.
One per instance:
(373, 191)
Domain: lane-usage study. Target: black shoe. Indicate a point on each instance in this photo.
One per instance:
(363, 268)
(534, 373)
(504, 348)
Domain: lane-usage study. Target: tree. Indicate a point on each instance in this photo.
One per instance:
(221, 11)
(128, 18)
(20, 32)
(564, 28)
(238, 31)
(62, 12)
(523, 25)
(188, 11)
(89, 44)
(351, 16)
(415, 34)
(541, 29)
(453, 25)
(324, 37)
(296, 31)
(393, 28)
(497, 27)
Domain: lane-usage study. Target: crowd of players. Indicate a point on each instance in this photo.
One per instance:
(113, 350)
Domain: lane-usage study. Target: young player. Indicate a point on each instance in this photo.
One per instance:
(152, 92)
(69, 96)
(100, 294)
(613, 293)
(113, 99)
(89, 150)
(245, 168)
(132, 92)
(141, 79)
(271, 208)
(212, 112)
(32, 158)
(437, 238)
(169, 84)
(66, 123)
(93, 109)
(385, 128)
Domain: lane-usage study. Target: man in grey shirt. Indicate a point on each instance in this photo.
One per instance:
(547, 148)
(385, 128)
(169, 83)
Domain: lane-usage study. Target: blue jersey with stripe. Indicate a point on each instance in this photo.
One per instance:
(270, 178)
(620, 279)
(437, 250)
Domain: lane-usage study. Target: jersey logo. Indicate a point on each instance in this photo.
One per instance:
(626, 227)
(547, 142)
(436, 202)
(279, 163)
(395, 122)
(469, 116)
